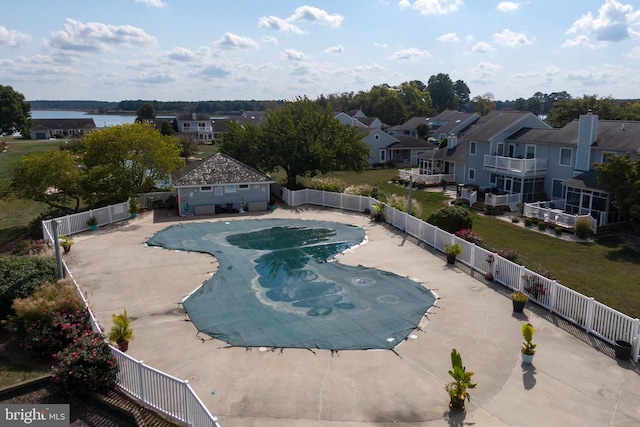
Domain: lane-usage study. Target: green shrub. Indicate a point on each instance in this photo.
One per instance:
(19, 276)
(359, 190)
(542, 225)
(510, 254)
(528, 222)
(335, 185)
(558, 230)
(402, 202)
(46, 298)
(583, 228)
(86, 365)
(515, 219)
(54, 331)
(451, 218)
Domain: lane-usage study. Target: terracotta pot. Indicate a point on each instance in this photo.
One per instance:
(123, 346)
(66, 249)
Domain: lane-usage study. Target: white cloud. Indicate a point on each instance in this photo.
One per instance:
(154, 78)
(634, 53)
(277, 24)
(313, 14)
(152, 3)
(293, 55)
(482, 47)
(12, 38)
(181, 54)
(469, 38)
(485, 72)
(508, 38)
(605, 74)
(98, 37)
(449, 37)
(335, 49)
(580, 41)
(508, 6)
(269, 40)
(412, 54)
(432, 7)
(230, 41)
(213, 71)
(383, 45)
(612, 24)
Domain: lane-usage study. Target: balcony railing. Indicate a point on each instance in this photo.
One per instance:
(553, 213)
(425, 179)
(515, 167)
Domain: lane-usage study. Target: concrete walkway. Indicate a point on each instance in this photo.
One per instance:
(574, 381)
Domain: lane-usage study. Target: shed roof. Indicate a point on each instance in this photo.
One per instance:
(218, 169)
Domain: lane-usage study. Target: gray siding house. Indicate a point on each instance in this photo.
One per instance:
(51, 128)
(220, 184)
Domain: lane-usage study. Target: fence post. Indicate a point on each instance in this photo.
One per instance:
(141, 381)
(185, 387)
(590, 312)
(521, 279)
(473, 257)
(635, 340)
(552, 296)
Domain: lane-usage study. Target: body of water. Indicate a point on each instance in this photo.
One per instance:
(101, 120)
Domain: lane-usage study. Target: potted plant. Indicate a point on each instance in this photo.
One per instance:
(66, 242)
(134, 206)
(519, 300)
(528, 348)
(92, 222)
(121, 332)
(378, 212)
(457, 389)
(452, 251)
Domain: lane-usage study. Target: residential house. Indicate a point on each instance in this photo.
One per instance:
(55, 128)
(220, 184)
(406, 149)
(438, 128)
(196, 124)
(378, 142)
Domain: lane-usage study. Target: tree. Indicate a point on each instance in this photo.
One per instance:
(187, 144)
(442, 92)
(124, 160)
(416, 99)
(52, 178)
(303, 138)
(145, 113)
(462, 92)
(484, 103)
(620, 176)
(564, 111)
(15, 113)
(166, 128)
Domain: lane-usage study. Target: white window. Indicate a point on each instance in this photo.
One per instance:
(606, 154)
(472, 174)
(565, 156)
(556, 191)
(500, 150)
(383, 156)
(376, 136)
(472, 148)
(531, 152)
(492, 180)
(186, 126)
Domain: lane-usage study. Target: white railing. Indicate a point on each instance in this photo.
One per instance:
(552, 213)
(502, 199)
(425, 179)
(513, 166)
(164, 393)
(470, 195)
(77, 223)
(604, 322)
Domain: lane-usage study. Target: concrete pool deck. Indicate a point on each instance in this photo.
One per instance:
(574, 380)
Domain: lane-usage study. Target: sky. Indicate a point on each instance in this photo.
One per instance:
(193, 50)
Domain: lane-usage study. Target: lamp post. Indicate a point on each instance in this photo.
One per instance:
(56, 243)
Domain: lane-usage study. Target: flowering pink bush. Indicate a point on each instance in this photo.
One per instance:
(56, 330)
(469, 236)
(510, 254)
(86, 365)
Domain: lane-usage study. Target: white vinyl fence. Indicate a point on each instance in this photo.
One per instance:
(596, 318)
(164, 393)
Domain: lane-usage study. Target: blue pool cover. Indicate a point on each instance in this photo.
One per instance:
(276, 287)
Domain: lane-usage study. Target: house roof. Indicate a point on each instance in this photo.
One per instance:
(586, 181)
(411, 124)
(617, 135)
(64, 123)
(407, 142)
(217, 170)
(493, 123)
(188, 117)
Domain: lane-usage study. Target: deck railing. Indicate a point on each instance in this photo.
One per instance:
(552, 213)
(425, 179)
(596, 318)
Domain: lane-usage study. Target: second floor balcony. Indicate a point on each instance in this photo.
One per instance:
(515, 167)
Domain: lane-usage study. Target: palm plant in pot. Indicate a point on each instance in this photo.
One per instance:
(121, 331)
(457, 389)
(134, 206)
(92, 222)
(528, 347)
(452, 250)
(66, 242)
(519, 300)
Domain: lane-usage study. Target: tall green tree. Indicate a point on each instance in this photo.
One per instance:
(124, 160)
(303, 138)
(484, 103)
(620, 176)
(442, 92)
(145, 113)
(15, 112)
(463, 94)
(53, 178)
(416, 99)
(564, 111)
